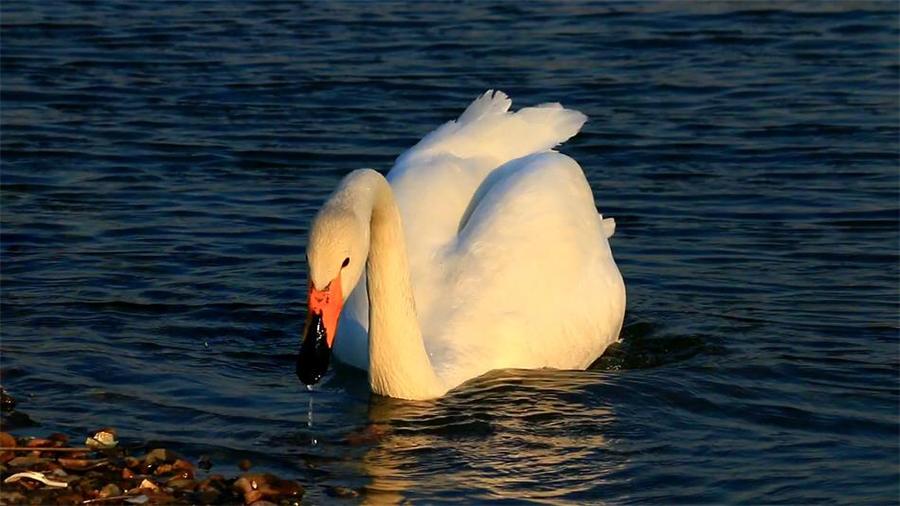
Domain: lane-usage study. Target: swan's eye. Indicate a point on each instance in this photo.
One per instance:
(346, 262)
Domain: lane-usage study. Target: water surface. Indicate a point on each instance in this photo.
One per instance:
(161, 162)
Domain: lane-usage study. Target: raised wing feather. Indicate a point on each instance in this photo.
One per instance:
(487, 130)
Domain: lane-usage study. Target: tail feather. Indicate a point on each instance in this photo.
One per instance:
(608, 225)
(486, 129)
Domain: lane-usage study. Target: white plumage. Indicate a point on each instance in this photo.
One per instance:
(509, 261)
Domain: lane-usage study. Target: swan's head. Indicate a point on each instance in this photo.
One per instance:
(337, 251)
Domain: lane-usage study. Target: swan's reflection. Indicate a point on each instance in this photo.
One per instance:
(521, 434)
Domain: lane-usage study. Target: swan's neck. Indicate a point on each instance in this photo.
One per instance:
(398, 363)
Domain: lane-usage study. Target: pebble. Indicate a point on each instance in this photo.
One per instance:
(40, 443)
(109, 475)
(7, 402)
(204, 463)
(17, 420)
(103, 438)
(62, 439)
(181, 483)
(110, 490)
(80, 464)
(158, 455)
(149, 485)
(27, 461)
(6, 440)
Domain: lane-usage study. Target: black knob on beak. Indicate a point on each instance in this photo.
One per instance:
(312, 362)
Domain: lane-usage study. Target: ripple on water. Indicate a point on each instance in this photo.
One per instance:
(161, 163)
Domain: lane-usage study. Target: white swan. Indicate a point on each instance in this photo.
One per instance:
(482, 249)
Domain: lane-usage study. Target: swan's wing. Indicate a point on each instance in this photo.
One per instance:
(435, 181)
(530, 280)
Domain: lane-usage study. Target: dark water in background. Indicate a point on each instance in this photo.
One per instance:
(161, 162)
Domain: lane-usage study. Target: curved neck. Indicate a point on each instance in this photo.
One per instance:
(398, 362)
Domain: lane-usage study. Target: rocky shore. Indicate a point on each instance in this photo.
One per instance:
(54, 470)
(51, 471)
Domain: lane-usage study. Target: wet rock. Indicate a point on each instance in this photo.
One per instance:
(7, 441)
(27, 461)
(62, 439)
(148, 485)
(158, 477)
(68, 479)
(70, 497)
(215, 480)
(12, 497)
(103, 438)
(181, 484)
(184, 465)
(40, 443)
(258, 486)
(7, 402)
(248, 487)
(55, 468)
(110, 490)
(204, 463)
(209, 496)
(163, 469)
(16, 420)
(285, 488)
(81, 464)
(158, 456)
(252, 496)
(90, 484)
(158, 497)
(249, 482)
(211, 490)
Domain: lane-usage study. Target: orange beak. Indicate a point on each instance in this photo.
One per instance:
(327, 303)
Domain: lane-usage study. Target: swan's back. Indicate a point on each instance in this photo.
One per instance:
(530, 281)
(463, 193)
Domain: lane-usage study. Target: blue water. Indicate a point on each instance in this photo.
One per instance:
(161, 162)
